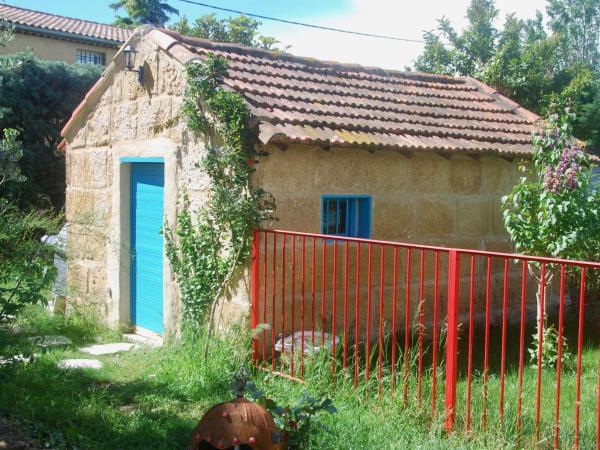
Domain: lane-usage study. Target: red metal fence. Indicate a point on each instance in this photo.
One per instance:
(468, 314)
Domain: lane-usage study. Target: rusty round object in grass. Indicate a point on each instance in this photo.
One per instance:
(239, 422)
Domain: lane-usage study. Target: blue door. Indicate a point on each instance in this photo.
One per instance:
(147, 198)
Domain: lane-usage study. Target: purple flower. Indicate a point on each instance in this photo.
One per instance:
(565, 173)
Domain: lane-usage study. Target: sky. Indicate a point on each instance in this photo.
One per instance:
(400, 18)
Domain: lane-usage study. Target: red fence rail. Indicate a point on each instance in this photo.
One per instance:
(397, 314)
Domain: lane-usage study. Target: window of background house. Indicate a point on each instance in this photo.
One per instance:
(346, 215)
(89, 57)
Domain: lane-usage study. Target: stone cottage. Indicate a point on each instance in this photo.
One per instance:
(418, 157)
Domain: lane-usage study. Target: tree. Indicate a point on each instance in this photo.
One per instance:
(553, 211)
(577, 22)
(37, 98)
(26, 270)
(140, 12)
(241, 30)
(545, 71)
(465, 53)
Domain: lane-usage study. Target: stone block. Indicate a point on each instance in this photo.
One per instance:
(98, 163)
(387, 172)
(465, 175)
(394, 218)
(79, 204)
(98, 126)
(171, 79)
(86, 243)
(436, 216)
(77, 277)
(97, 281)
(124, 122)
(288, 172)
(299, 212)
(153, 117)
(337, 171)
(474, 216)
(497, 217)
(77, 168)
(429, 174)
(498, 175)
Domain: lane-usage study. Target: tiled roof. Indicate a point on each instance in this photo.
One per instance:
(305, 100)
(52, 22)
(309, 101)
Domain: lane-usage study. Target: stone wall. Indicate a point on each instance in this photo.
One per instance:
(425, 199)
(123, 118)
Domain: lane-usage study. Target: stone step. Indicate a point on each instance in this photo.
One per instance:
(147, 340)
(107, 349)
(80, 364)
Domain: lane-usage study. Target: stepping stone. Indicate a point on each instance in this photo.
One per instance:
(107, 349)
(80, 364)
(50, 341)
(150, 341)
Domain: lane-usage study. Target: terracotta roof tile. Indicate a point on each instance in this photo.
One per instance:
(77, 27)
(305, 100)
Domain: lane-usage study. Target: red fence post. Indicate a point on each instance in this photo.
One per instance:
(255, 289)
(452, 338)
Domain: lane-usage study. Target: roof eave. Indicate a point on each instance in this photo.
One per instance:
(30, 29)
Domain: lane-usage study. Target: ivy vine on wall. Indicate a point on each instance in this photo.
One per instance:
(207, 246)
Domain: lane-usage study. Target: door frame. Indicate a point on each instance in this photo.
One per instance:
(118, 233)
(131, 161)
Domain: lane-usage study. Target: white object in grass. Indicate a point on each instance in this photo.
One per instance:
(310, 346)
(80, 364)
(107, 349)
(50, 341)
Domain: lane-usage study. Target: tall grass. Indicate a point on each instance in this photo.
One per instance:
(152, 398)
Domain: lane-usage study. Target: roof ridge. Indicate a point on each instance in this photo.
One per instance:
(7, 6)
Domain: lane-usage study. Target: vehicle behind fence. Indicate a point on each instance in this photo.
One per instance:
(450, 327)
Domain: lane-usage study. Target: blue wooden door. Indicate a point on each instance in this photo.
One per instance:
(147, 198)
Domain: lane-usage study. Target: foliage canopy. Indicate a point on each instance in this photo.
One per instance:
(37, 98)
(140, 12)
(26, 270)
(545, 67)
(553, 210)
(241, 30)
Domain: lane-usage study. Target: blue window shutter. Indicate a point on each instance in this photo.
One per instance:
(346, 215)
(364, 218)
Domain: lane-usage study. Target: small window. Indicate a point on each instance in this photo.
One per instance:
(89, 57)
(347, 216)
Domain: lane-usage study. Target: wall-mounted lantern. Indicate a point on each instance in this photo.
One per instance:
(130, 53)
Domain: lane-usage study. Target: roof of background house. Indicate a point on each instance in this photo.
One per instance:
(38, 22)
(304, 100)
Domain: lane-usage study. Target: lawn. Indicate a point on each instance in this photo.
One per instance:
(152, 398)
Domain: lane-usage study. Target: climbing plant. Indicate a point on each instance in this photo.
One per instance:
(207, 246)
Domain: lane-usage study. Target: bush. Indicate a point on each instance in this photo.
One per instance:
(37, 98)
(26, 269)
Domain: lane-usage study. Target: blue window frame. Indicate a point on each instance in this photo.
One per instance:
(346, 215)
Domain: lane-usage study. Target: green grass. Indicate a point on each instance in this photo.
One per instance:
(152, 398)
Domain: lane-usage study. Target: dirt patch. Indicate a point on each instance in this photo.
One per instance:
(13, 439)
